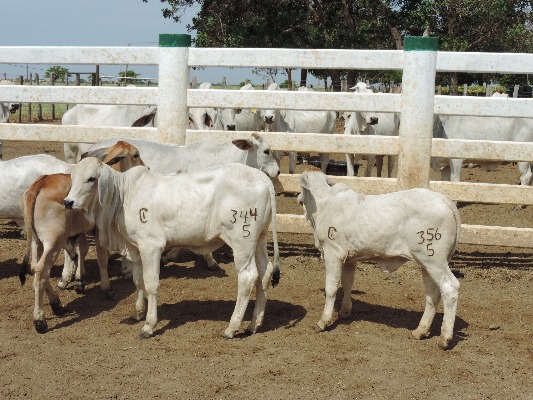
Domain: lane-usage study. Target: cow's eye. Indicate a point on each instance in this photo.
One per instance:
(91, 179)
(136, 155)
(267, 152)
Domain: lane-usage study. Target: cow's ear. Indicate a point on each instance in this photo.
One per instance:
(98, 153)
(243, 144)
(304, 183)
(115, 160)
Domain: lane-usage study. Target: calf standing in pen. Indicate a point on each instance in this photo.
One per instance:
(390, 229)
(140, 213)
(50, 228)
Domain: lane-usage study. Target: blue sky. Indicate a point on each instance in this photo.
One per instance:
(97, 23)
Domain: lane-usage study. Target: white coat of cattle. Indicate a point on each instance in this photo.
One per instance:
(6, 109)
(104, 115)
(141, 213)
(370, 123)
(248, 119)
(167, 158)
(390, 229)
(19, 173)
(299, 121)
(482, 128)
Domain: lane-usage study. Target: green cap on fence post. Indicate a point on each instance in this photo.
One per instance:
(174, 40)
(421, 43)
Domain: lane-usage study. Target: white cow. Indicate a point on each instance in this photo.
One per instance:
(104, 115)
(298, 121)
(5, 110)
(370, 123)
(19, 173)
(390, 229)
(482, 128)
(141, 213)
(168, 158)
(248, 119)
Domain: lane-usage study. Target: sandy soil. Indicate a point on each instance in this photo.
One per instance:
(94, 352)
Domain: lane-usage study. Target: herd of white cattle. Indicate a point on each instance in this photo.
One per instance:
(147, 200)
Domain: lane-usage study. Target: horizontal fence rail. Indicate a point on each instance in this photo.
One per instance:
(414, 146)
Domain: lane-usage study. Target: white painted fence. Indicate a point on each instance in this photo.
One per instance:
(417, 104)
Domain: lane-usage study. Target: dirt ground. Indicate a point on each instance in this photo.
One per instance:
(95, 352)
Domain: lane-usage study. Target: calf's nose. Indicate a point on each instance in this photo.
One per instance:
(231, 127)
(68, 203)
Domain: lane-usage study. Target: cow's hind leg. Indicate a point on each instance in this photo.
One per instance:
(41, 284)
(264, 269)
(247, 276)
(440, 283)
(432, 302)
(348, 272)
(333, 277)
(102, 257)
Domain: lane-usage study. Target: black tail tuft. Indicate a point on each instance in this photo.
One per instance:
(275, 278)
(24, 270)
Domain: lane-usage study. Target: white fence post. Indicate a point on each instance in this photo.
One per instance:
(172, 111)
(416, 127)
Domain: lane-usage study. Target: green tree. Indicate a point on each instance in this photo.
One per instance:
(461, 25)
(59, 73)
(124, 75)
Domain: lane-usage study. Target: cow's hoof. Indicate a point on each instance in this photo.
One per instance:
(79, 286)
(319, 327)
(345, 314)
(420, 334)
(145, 335)
(214, 267)
(40, 326)
(139, 316)
(444, 344)
(62, 285)
(109, 294)
(228, 334)
(58, 309)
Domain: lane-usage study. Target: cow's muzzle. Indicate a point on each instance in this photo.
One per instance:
(14, 107)
(373, 120)
(68, 203)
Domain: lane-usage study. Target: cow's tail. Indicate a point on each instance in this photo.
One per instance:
(276, 274)
(28, 206)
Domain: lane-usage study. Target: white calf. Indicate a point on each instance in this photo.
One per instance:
(141, 213)
(389, 229)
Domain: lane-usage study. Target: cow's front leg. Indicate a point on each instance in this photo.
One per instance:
(348, 272)
(333, 277)
(137, 276)
(324, 161)
(68, 273)
(102, 257)
(150, 269)
(292, 162)
(82, 248)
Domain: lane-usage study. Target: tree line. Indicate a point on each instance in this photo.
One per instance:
(460, 25)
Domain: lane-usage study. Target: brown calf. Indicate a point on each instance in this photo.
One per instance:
(50, 227)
